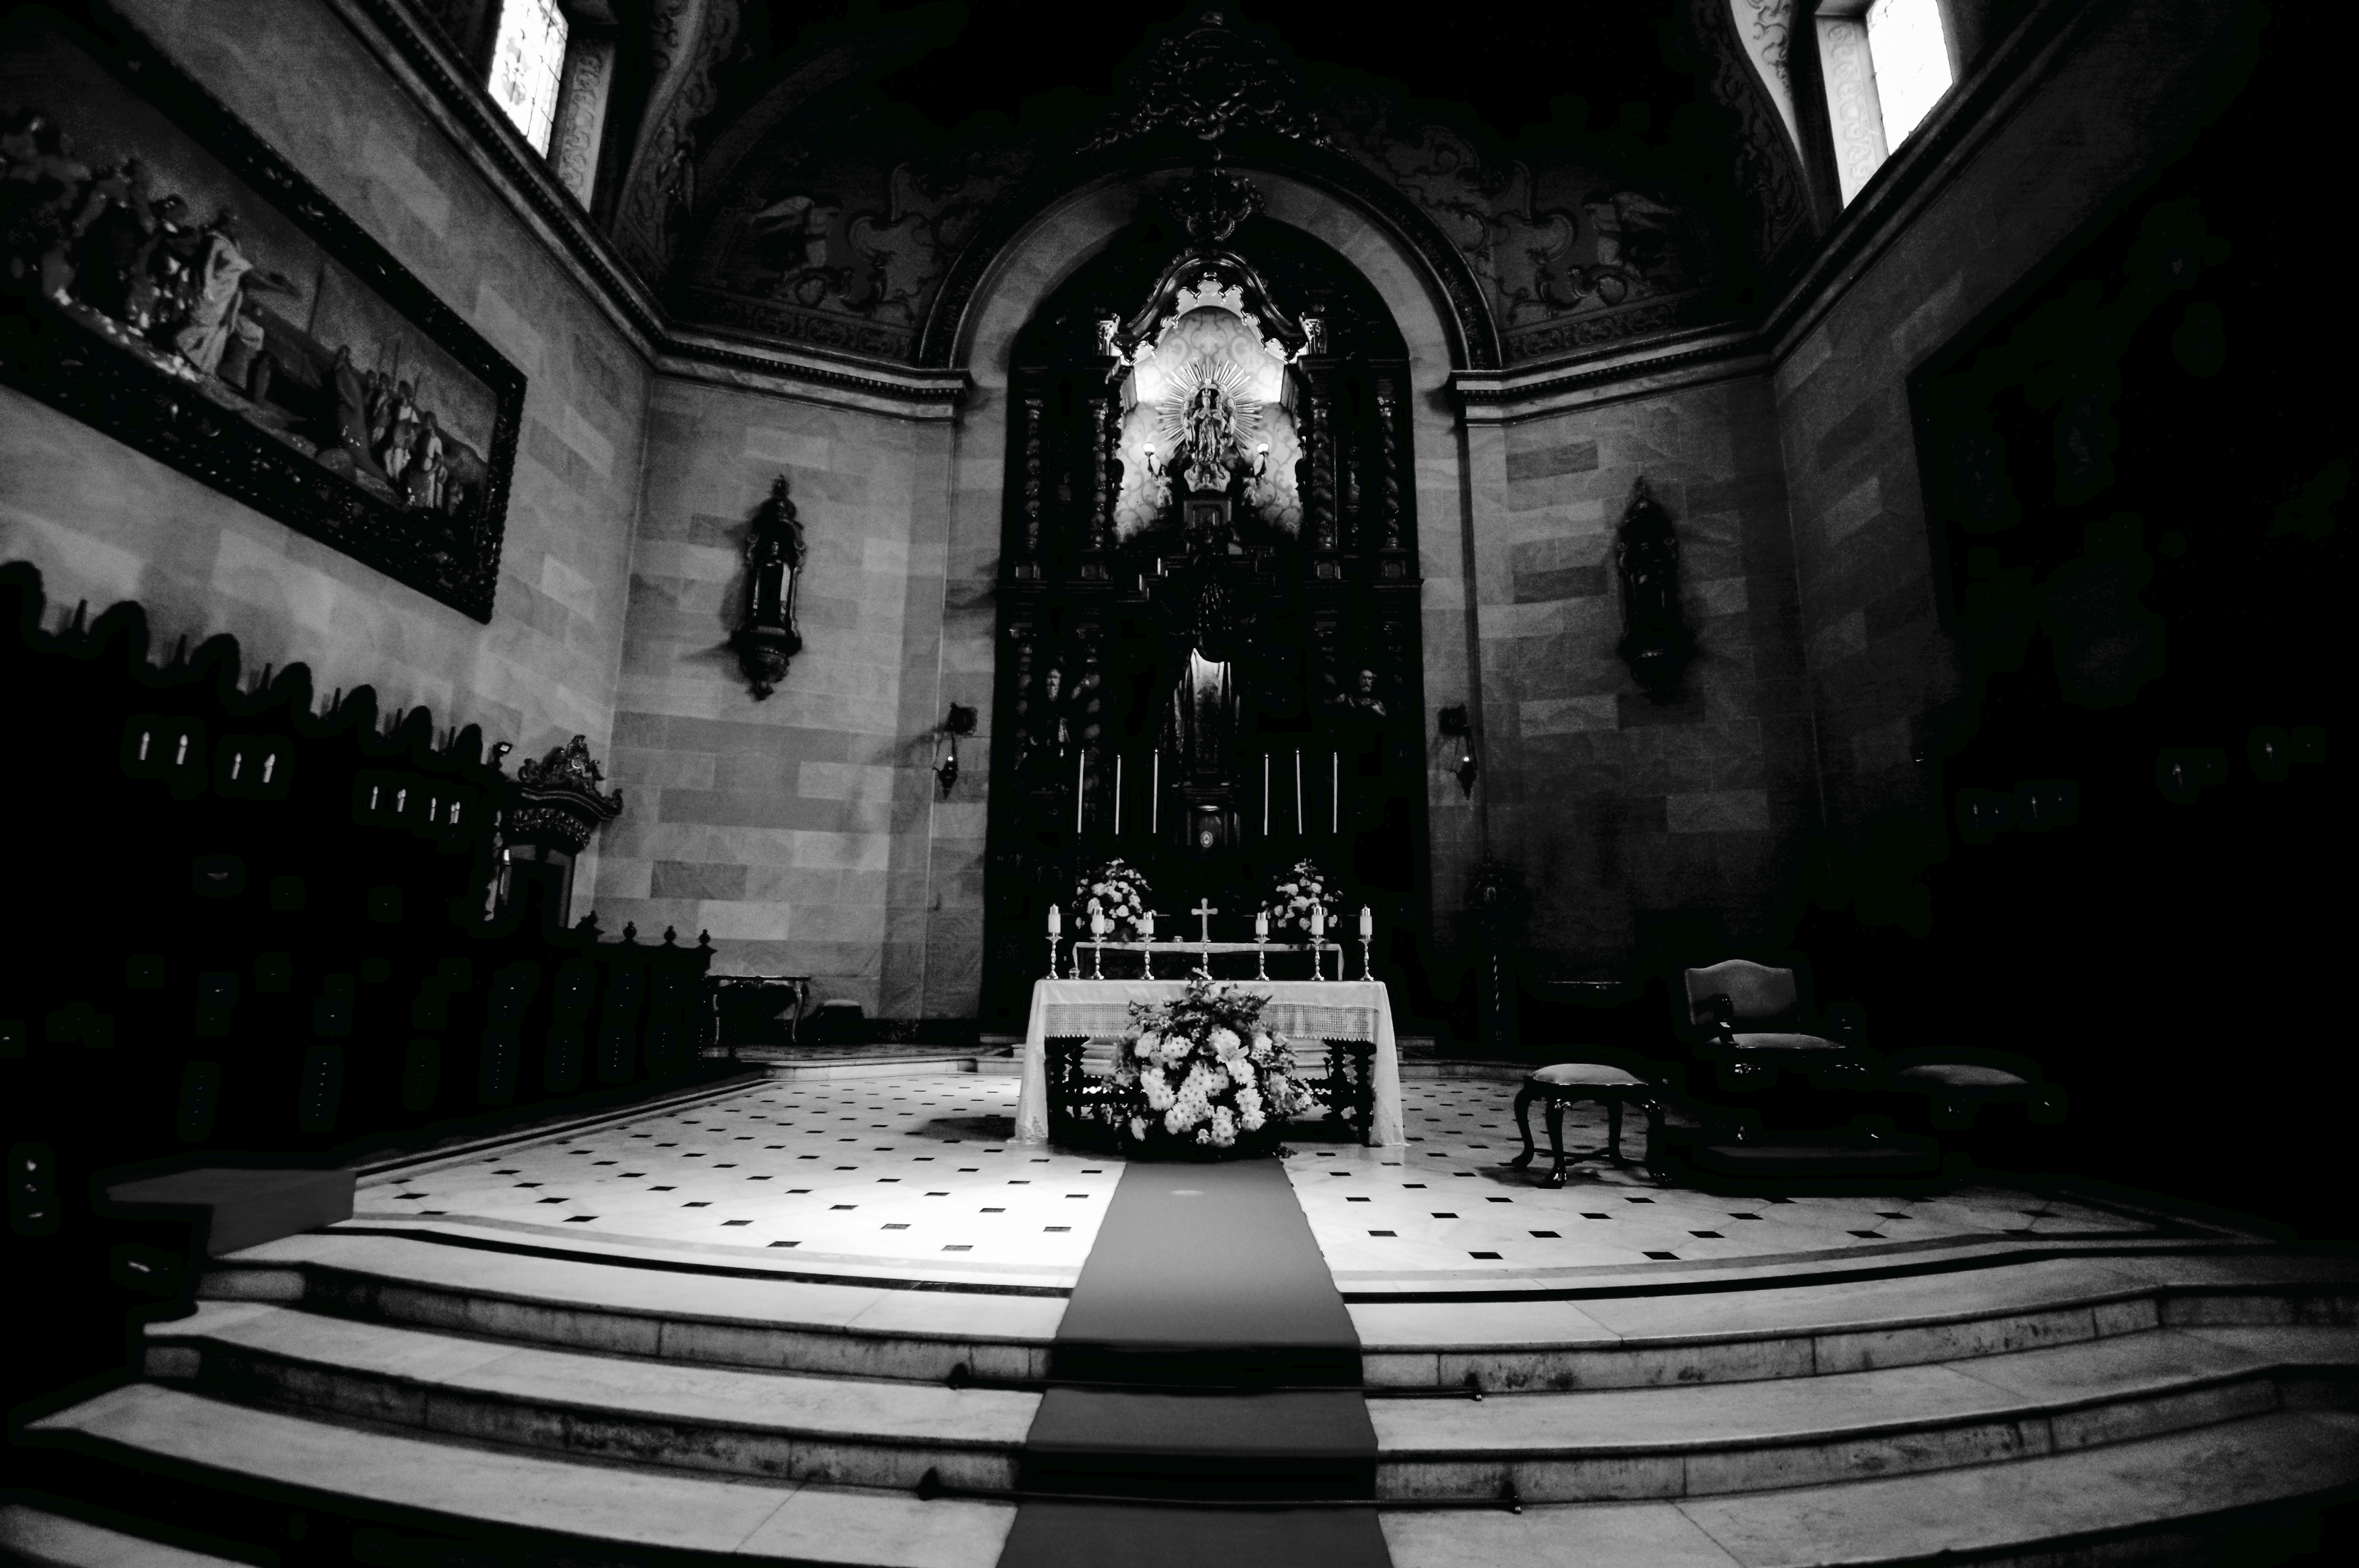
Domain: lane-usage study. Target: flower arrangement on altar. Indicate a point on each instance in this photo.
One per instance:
(1120, 891)
(1201, 1071)
(1297, 888)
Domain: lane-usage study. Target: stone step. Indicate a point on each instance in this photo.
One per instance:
(1702, 1440)
(1635, 1336)
(849, 1432)
(780, 1323)
(2184, 1497)
(34, 1535)
(252, 1464)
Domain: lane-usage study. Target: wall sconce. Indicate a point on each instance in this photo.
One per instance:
(1153, 467)
(1454, 722)
(959, 723)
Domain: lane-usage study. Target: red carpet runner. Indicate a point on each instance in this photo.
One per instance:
(1205, 1377)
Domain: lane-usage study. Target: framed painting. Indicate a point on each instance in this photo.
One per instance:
(166, 277)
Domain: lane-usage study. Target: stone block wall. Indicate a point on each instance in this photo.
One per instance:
(1635, 822)
(105, 523)
(795, 828)
(2121, 95)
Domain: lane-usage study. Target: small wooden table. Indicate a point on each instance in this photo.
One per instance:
(1567, 1083)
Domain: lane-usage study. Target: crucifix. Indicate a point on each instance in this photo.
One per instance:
(1203, 912)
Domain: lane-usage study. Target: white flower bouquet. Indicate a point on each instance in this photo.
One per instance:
(1289, 902)
(1120, 891)
(1201, 1075)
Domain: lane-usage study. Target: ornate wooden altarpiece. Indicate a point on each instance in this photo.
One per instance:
(1209, 643)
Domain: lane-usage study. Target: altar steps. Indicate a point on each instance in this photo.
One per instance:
(1684, 1440)
(452, 1405)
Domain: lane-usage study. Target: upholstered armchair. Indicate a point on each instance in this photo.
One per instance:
(1749, 1024)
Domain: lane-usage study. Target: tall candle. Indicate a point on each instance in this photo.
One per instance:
(1261, 926)
(1080, 784)
(1155, 796)
(1367, 923)
(1334, 791)
(1264, 794)
(1117, 794)
(1299, 826)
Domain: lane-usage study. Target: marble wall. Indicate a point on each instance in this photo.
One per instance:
(796, 828)
(2127, 90)
(1634, 822)
(105, 523)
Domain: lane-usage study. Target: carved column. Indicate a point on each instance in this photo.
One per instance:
(1319, 481)
(1388, 504)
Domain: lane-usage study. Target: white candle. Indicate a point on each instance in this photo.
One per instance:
(1367, 923)
(1080, 784)
(1261, 926)
(1334, 790)
(1317, 921)
(1147, 926)
(1299, 826)
(1117, 794)
(1056, 921)
(1264, 794)
(1155, 796)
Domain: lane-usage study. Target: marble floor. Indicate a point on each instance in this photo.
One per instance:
(913, 1174)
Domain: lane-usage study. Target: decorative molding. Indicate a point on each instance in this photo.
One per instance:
(1206, 82)
(557, 802)
(1768, 159)
(1852, 109)
(687, 42)
(1688, 359)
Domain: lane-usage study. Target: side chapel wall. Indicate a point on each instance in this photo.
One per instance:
(105, 523)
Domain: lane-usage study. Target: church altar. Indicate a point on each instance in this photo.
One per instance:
(1308, 1012)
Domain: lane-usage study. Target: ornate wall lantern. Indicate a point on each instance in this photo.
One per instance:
(959, 723)
(774, 566)
(1655, 641)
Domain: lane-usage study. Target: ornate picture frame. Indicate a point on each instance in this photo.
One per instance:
(167, 278)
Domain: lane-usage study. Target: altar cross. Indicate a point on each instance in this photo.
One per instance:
(1203, 912)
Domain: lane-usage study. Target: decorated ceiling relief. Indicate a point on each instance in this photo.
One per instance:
(838, 227)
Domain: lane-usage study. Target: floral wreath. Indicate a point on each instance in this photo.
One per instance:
(1297, 888)
(1201, 1071)
(1119, 890)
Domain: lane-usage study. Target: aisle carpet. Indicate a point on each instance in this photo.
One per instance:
(1205, 1357)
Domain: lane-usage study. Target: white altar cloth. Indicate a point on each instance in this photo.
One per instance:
(1308, 1012)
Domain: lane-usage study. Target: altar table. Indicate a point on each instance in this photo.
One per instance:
(1308, 1012)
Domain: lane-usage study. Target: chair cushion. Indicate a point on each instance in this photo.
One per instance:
(1585, 1075)
(1755, 990)
(1784, 1042)
(1959, 1075)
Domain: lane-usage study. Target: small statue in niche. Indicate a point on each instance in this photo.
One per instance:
(1655, 641)
(1048, 738)
(774, 563)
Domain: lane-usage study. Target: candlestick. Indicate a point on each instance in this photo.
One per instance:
(1367, 964)
(1052, 955)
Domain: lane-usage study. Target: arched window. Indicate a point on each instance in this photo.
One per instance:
(1886, 64)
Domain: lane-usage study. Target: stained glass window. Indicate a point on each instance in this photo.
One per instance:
(528, 60)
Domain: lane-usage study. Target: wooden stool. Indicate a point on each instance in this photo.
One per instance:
(1569, 1082)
